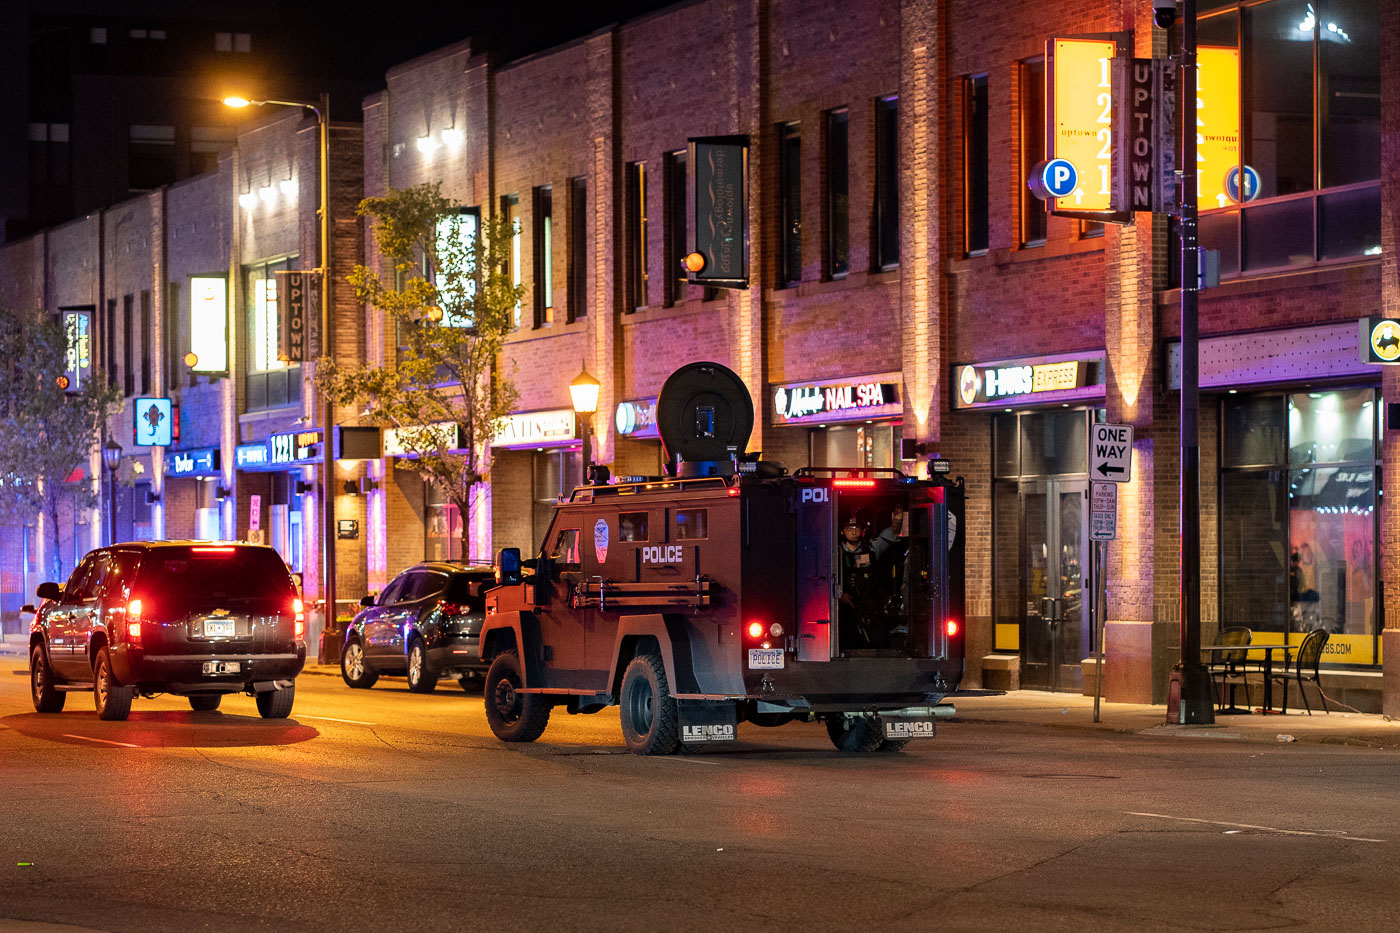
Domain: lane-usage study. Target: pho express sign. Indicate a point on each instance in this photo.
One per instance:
(1034, 381)
(859, 399)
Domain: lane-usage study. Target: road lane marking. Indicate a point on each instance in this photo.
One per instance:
(1335, 834)
(353, 722)
(88, 738)
(686, 759)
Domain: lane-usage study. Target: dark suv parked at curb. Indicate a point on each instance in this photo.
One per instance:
(425, 624)
(197, 619)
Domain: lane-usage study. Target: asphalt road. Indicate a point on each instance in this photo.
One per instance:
(384, 810)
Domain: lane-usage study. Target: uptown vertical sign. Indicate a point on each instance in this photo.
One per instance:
(294, 287)
(719, 193)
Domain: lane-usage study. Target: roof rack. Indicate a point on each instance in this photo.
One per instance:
(861, 472)
(672, 483)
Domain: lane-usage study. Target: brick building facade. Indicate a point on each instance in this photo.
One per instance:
(891, 242)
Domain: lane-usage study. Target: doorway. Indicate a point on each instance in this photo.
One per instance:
(1040, 540)
(1055, 621)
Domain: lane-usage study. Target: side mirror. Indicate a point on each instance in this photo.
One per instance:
(48, 590)
(366, 601)
(27, 607)
(508, 567)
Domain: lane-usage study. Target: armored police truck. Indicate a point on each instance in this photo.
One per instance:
(729, 591)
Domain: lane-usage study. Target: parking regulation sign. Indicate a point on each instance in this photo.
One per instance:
(1103, 511)
(1111, 452)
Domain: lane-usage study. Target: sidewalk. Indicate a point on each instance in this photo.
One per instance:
(1072, 711)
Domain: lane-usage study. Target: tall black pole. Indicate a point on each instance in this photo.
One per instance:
(1196, 702)
(328, 529)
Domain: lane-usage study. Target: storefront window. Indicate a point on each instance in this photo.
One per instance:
(1297, 539)
(556, 473)
(866, 445)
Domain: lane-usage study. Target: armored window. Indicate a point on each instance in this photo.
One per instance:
(632, 526)
(692, 524)
(566, 548)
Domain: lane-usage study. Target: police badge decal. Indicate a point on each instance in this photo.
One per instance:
(600, 540)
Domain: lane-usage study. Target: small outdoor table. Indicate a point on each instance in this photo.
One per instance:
(1267, 670)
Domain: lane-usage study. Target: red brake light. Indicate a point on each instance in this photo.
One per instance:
(756, 629)
(299, 611)
(450, 609)
(854, 483)
(211, 550)
(952, 626)
(732, 492)
(133, 620)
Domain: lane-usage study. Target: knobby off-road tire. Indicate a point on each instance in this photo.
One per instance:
(892, 745)
(354, 669)
(513, 716)
(650, 717)
(420, 679)
(854, 733)
(47, 698)
(205, 702)
(111, 699)
(276, 704)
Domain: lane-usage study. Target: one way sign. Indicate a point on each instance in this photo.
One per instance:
(1111, 452)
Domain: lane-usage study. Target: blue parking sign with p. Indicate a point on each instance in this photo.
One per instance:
(1251, 184)
(1060, 177)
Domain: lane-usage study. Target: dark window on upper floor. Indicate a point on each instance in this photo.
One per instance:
(543, 248)
(1034, 217)
(677, 218)
(838, 194)
(578, 248)
(789, 204)
(975, 165)
(887, 182)
(128, 345)
(635, 234)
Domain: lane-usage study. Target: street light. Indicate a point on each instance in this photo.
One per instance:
(322, 109)
(111, 459)
(584, 392)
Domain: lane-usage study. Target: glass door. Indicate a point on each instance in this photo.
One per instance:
(1054, 533)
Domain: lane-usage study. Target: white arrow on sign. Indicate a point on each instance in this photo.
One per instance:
(1111, 452)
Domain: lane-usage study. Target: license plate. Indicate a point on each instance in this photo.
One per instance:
(218, 628)
(221, 667)
(765, 658)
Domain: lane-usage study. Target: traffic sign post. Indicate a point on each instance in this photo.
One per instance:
(1103, 526)
(1111, 452)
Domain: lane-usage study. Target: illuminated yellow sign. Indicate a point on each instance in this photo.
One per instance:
(1217, 124)
(1083, 109)
(1051, 377)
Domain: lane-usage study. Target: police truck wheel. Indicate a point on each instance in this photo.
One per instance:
(112, 700)
(47, 697)
(354, 669)
(513, 716)
(650, 719)
(854, 733)
(276, 704)
(420, 679)
(892, 745)
(205, 702)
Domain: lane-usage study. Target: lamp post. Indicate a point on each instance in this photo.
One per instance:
(322, 110)
(584, 392)
(111, 459)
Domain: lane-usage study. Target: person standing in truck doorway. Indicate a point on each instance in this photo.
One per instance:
(858, 587)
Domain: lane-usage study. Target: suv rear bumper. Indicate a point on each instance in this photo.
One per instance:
(455, 653)
(133, 666)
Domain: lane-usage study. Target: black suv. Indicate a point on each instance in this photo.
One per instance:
(197, 619)
(424, 624)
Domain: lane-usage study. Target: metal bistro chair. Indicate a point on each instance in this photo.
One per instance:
(1305, 668)
(1229, 666)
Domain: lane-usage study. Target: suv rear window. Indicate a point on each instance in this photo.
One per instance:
(465, 589)
(190, 576)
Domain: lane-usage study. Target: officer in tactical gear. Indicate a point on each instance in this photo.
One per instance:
(860, 599)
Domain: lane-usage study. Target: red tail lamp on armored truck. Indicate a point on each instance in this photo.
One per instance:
(731, 591)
